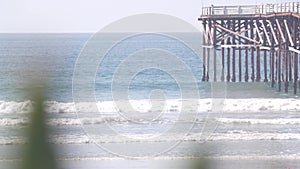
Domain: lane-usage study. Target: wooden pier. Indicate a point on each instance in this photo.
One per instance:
(254, 43)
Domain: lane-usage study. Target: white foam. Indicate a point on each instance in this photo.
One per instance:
(204, 105)
(15, 107)
(175, 157)
(12, 140)
(191, 157)
(13, 122)
(277, 121)
(258, 105)
(120, 120)
(59, 107)
(78, 121)
(255, 136)
(146, 138)
(86, 121)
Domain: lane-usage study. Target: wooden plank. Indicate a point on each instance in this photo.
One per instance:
(237, 46)
(265, 32)
(237, 34)
(273, 32)
(280, 30)
(209, 33)
(265, 48)
(207, 46)
(258, 33)
(288, 33)
(294, 50)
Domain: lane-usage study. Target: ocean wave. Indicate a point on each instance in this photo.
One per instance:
(15, 107)
(229, 136)
(194, 137)
(85, 121)
(176, 157)
(277, 121)
(148, 138)
(124, 121)
(13, 122)
(172, 105)
(191, 157)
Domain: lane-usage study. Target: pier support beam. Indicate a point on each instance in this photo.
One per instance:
(222, 64)
(215, 51)
(285, 70)
(240, 53)
(204, 51)
(294, 54)
(257, 64)
(295, 77)
(222, 55)
(246, 53)
(252, 53)
(278, 68)
(265, 67)
(233, 79)
(228, 54)
(272, 66)
(207, 63)
(258, 38)
(228, 62)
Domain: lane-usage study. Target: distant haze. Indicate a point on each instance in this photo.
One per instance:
(63, 16)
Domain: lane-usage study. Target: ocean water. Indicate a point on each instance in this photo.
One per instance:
(236, 125)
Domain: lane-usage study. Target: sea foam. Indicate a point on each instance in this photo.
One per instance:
(193, 137)
(204, 105)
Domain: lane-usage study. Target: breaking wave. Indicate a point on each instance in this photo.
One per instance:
(204, 105)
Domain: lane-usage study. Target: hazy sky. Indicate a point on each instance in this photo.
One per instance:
(92, 15)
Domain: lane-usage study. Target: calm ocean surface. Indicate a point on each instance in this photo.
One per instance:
(256, 127)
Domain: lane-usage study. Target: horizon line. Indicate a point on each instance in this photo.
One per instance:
(91, 32)
(46, 32)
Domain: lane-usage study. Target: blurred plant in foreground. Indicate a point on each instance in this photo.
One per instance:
(201, 163)
(38, 151)
(202, 156)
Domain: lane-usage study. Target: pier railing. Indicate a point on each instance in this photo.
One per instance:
(293, 7)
